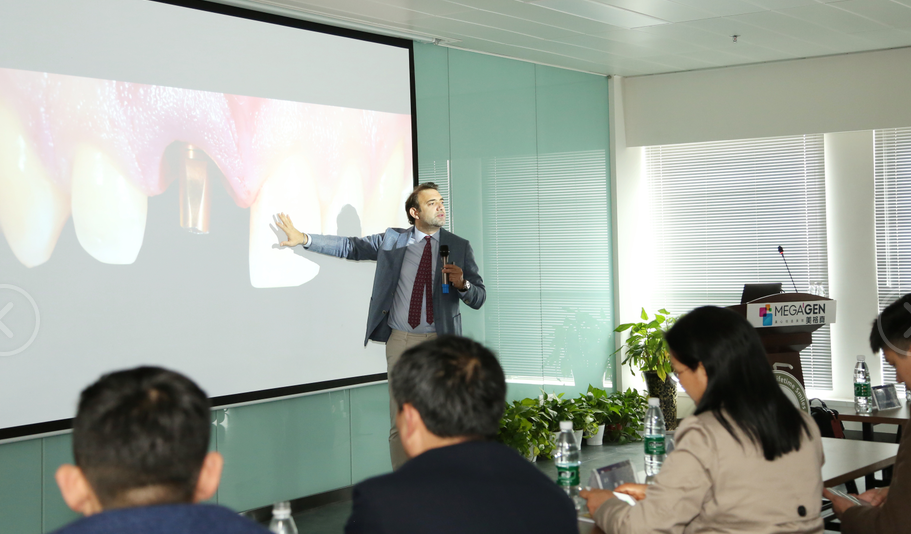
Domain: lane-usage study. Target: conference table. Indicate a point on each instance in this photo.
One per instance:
(846, 460)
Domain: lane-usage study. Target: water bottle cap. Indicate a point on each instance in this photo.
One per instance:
(566, 425)
(654, 401)
(861, 358)
(282, 509)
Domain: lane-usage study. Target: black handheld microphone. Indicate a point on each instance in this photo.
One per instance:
(444, 255)
(781, 251)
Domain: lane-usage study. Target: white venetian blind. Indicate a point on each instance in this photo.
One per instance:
(547, 263)
(892, 175)
(719, 212)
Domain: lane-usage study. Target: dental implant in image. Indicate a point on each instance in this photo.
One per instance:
(195, 197)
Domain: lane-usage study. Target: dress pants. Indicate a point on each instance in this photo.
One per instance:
(398, 343)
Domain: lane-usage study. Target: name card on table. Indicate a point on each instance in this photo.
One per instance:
(796, 313)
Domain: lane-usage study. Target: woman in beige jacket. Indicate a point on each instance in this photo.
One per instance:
(748, 461)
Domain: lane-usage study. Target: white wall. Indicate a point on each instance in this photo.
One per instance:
(627, 195)
(820, 95)
(851, 235)
(852, 93)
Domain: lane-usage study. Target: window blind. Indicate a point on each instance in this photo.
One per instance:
(719, 211)
(547, 263)
(892, 183)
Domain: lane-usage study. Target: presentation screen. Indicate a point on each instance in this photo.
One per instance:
(145, 151)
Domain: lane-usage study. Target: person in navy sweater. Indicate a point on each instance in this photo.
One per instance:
(451, 394)
(141, 445)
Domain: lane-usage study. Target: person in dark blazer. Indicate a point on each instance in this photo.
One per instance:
(141, 445)
(408, 305)
(451, 394)
(888, 511)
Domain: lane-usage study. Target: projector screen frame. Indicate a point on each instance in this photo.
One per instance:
(37, 430)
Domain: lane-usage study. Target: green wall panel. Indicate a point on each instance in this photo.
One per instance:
(58, 450)
(492, 115)
(573, 153)
(20, 487)
(431, 87)
(285, 449)
(369, 432)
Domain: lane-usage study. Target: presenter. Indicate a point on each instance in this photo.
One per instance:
(408, 305)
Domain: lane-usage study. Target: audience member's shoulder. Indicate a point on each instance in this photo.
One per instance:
(166, 519)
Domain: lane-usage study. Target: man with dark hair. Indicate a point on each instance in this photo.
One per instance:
(888, 512)
(408, 305)
(451, 394)
(141, 445)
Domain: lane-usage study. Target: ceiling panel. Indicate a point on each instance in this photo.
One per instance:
(625, 49)
(722, 8)
(698, 33)
(803, 30)
(512, 24)
(833, 18)
(889, 13)
(886, 38)
(661, 9)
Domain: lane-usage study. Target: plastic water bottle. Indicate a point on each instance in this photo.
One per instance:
(566, 457)
(863, 393)
(654, 438)
(282, 522)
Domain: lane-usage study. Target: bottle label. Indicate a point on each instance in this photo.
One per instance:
(654, 445)
(862, 389)
(568, 476)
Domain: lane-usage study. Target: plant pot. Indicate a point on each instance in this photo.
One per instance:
(530, 455)
(666, 392)
(578, 435)
(598, 438)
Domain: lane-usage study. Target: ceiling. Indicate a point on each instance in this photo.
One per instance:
(640, 36)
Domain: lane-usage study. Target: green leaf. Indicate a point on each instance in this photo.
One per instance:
(644, 315)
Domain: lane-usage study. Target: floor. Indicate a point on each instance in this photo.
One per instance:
(331, 518)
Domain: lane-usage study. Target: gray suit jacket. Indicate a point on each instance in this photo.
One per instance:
(388, 251)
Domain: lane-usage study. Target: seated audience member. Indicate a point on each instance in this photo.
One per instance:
(889, 510)
(141, 441)
(451, 395)
(747, 461)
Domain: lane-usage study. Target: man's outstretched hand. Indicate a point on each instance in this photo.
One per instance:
(295, 236)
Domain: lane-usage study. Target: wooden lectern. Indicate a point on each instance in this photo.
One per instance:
(786, 322)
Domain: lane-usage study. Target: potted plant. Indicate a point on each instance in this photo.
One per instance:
(647, 351)
(625, 416)
(555, 409)
(524, 429)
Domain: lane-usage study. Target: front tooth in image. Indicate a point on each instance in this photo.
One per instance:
(32, 209)
(289, 189)
(109, 212)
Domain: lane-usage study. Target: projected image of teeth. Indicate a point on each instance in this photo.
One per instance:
(97, 150)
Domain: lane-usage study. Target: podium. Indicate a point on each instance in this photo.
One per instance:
(785, 323)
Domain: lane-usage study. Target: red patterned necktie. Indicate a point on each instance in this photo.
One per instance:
(423, 284)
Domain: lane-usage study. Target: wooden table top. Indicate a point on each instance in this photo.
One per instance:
(895, 416)
(847, 459)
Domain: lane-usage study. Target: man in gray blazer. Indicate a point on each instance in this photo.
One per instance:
(408, 305)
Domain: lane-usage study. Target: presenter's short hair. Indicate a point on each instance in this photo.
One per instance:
(144, 429)
(412, 200)
(456, 384)
(892, 328)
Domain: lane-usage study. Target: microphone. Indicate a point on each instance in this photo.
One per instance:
(444, 255)
(781, 251)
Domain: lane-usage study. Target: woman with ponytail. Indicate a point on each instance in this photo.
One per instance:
(747, 461)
